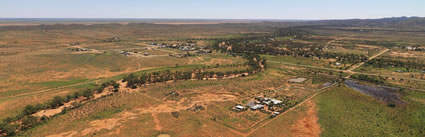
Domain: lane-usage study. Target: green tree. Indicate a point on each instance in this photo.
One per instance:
(87, 93)
(29, 109)
(56, 102)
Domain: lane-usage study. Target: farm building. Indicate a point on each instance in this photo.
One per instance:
(297, 80)
(338, 64)
(239, 108)
(255, 106)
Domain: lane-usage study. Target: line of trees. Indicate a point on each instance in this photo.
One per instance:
(388, 62)
(267, 45)
(369, 78)
(25, 120)
(133, 81)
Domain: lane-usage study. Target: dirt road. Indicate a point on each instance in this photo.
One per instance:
(350, 70)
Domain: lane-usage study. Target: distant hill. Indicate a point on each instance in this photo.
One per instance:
(399, 22)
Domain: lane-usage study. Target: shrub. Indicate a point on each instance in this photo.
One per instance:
(87, 93)
(68, 98)
(8, 129)
(76, 95)
(28, 122)
(30, 109)
(56, 102)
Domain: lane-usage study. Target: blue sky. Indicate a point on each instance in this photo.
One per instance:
(211, 9)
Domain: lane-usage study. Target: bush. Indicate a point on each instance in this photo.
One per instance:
(8, 129)
(44, 118)
(68, 98)
(175, 114)
(56, 102)
(28, 122)
(76, 95)
(30, 109)
(87, 93)
(40, 107)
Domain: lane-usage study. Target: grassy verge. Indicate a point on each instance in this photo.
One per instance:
(52, 84)
(345, 112)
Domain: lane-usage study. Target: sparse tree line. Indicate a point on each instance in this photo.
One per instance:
(409, 64)
(369, 78)
(25, 120)
(243, 46)
(387, 44)
(255, 63)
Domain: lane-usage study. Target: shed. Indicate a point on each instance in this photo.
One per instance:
(251, 104)
(297, 80)
(240, 107)
(257, 106)
(275, 101)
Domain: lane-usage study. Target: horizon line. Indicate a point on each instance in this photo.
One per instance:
(113, 18)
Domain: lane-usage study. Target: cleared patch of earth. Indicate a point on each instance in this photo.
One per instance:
(157, 122)
(308, 125)
(108, 124)
(65, 134)
(164, 135)
(167, 107)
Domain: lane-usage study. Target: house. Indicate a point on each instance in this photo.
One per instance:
(297, 80)
(338, 64)
(239, 108)
(257, 107)
(126, 53)
(80, 49)
(74, 44)
(275, 101)
(399, 70)
(410, 48)
(185, 48)
(269, 101)
(254, 106)
(274, 114)
(251, 104)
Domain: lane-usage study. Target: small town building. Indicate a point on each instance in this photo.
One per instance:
(297, 80)
(275, 101)
(251, 104)
(338, 64)
(257, 107)
(254, 106)
(274, 114)
(240, 107)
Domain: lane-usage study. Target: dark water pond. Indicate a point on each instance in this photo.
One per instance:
(382, 93)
